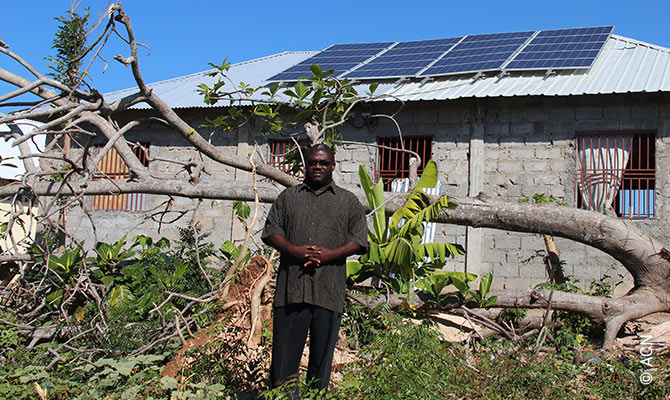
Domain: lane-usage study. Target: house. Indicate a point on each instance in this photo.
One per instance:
(592, 136)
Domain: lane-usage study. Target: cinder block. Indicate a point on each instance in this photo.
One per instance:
(546, 179)
(548, 152)
(522, 128)
(535, 269)
(522, 153)
(505, 269)
(497, 129)
(644, 111)
(510, 166)
(514, 283)
(425, 116)
(560, 165)
(588, 113)
(535, 165)
(348, 166)
(664, 111)
(457, 154)
(453, 116)
(561, 114)
(587, 273)
(558, 191)
(530, 190)
(497, 154)
(494, 256)
(522, 178)
(615, 112)
(508, 243)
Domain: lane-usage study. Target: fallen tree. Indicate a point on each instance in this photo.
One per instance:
(70, 112)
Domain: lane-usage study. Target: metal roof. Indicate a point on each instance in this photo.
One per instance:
(624, 66)
(182, 92)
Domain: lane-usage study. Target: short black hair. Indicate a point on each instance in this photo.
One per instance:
(321, 147)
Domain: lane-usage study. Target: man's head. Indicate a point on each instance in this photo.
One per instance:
(320, 165)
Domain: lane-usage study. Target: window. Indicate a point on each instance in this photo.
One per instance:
(111, 166)
(393, 164)
(616, 173)
(282, 155)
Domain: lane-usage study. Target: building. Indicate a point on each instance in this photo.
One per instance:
(593, 137)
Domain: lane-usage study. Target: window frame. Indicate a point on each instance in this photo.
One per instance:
(277, 159)
(635, 178)
(112, 166)
(385, 158)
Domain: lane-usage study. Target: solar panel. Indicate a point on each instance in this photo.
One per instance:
(562, 48)
(529, 50)
(404, 59)
(340, 57)
(479, 53)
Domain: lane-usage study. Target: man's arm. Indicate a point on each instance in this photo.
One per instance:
(321, 255)
(279, 242)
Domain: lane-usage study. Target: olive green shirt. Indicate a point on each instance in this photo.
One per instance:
(329, 219)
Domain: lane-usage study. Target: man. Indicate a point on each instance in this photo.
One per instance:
(315, 226)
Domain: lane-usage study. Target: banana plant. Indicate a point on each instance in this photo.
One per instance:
(396, 254)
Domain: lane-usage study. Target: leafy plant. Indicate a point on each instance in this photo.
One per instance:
(479, 296)
(396, 254)
(70, 45)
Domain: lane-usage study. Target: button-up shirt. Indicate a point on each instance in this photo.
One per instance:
(329, 219)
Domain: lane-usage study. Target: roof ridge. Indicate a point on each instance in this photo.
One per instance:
(183, 77)
(640, 43)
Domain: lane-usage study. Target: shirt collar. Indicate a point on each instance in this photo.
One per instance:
(331, 186)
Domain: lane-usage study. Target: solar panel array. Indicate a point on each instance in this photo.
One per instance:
(404, 59)
(339, 57)
(530, 50)
(562, 48)
(479, 53)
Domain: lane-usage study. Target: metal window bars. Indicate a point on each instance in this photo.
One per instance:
(112, 166)
(615, 172)
(279, 151)
(392, 164)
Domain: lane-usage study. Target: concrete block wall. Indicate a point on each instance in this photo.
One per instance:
(528, 148)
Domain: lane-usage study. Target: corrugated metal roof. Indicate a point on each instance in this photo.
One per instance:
(181, 92)
(624, 66)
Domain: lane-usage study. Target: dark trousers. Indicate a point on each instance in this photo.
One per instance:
(289, 333)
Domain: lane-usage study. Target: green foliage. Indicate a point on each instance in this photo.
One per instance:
(396, 254)
(225, 361)
(131, 281)
(361, 323)
(577, 329)
(541, 198)
(70, 44)
(319, 99)
(512, 316)
(479, 296)
(406, 361)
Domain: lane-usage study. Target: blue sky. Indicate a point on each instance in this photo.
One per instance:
(185, 36)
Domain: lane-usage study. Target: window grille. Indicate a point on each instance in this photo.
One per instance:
(616, 173)
(112, 166)
(392, 164)
(280, 155)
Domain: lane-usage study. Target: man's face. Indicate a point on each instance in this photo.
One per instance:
(320, 167)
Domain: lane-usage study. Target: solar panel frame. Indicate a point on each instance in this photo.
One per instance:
(478, 53)
(339, 57)
(574, 48)
(405, 59)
